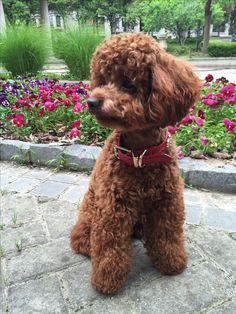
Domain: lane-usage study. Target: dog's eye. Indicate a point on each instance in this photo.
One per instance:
(127, 85)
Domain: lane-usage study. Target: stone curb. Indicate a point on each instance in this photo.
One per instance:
(209, 174)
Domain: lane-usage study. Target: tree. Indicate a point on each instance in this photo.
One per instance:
(176, 16)
(206, 34)
(16, 11)
(2, 19)
(111, 9)
(44, 16)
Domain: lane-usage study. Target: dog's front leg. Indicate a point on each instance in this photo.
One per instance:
(80, 234)
(163, 235)
(111, 248)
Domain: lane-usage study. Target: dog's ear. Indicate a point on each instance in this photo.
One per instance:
(174, 90)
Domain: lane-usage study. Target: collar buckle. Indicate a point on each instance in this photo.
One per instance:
(138, 160)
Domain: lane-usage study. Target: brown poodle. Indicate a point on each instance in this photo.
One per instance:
(135, 187)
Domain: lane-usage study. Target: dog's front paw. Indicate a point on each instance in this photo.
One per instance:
(110, 275)
(80, 239)
(172, 264)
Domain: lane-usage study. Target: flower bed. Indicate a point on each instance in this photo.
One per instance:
(46, 111)
(209, 128)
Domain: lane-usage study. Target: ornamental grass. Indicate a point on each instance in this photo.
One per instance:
(24, 49)
(75, 47)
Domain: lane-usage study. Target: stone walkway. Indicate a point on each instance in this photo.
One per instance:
(40, 274)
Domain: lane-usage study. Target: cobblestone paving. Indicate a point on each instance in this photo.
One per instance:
(40, 274)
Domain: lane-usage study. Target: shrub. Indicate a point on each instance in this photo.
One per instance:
(24, 49)
(75, 46)
(222, 49)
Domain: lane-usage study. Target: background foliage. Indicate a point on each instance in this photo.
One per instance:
(24, 49)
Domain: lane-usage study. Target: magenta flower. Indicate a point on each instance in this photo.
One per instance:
(78, 107)
(199, 121)
(228, 90)
(66, 102)
(232, 100)
(179, 152)
(75, 98)
(19, 102)
(209, 78)
(210, 102)
(230, 125)
(188, 119)
(74, 132)
(171, 129)
(204, 140)
(49, 106)
(18, 119)
(75, 124)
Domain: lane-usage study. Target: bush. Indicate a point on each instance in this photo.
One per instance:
(76, 46)
(177, 49)
(222, 49)
(24, 49)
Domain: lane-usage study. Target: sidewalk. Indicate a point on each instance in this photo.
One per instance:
(40, 273)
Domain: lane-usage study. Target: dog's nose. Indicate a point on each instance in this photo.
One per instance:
(93, 103)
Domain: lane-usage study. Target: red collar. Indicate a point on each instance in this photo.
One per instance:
(143, 157)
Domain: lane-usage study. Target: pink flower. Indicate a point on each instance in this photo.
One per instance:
(188, 119)
(179, 152)
(75, 124)
(78, 107)
(209, 78)
(199, 121)
(49, 106)
(171, 129)
(75, 98)
(228, 90)
(210, 102)
(232, 100)
(74, 132)
(204, 140)
(230, 125)
(18, 119)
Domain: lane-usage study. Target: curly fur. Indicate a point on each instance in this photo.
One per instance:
(141, 89)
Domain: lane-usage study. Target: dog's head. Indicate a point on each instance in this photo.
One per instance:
(136, 84)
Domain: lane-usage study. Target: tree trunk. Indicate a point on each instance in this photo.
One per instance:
(44, 16)
(207, 26)
(2, 19)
